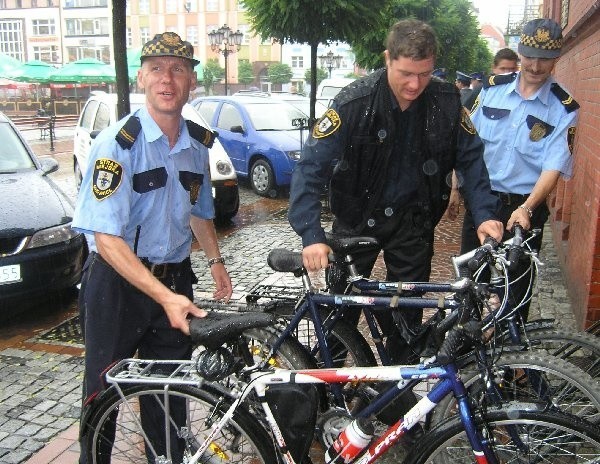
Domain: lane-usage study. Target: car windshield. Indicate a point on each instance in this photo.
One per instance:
(273, 116)
(13, 155)
(304, 106)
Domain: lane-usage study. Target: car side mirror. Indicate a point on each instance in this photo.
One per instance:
(48, 165)
(237, 129)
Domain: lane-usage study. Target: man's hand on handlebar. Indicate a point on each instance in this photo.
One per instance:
(490, 228)
(315, 257)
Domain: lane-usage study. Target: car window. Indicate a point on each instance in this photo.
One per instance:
(207, 109)
(102, 117)
(273, 115)
(13, 154)
(229, 117)
(87, 118)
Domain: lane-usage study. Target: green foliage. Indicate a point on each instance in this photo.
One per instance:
(280, 73)
(213, 73)
(457, 30)
(321, 74)
(245, 73)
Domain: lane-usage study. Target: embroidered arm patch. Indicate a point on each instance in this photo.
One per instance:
(327, 125)
(571, 137)
(107, 178)
(466, 123)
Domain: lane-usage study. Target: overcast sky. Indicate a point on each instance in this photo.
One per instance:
(495, 11)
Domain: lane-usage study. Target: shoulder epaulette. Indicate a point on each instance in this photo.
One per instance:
(567, 100)
(359, 88)
(201, 134)
(128, 133)
(498, 79)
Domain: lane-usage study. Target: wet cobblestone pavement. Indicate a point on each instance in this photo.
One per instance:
(41, 368)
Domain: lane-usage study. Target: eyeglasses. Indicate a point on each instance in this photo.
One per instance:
(410, 75)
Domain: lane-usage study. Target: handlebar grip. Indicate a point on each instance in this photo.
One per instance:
(513, 256)
(482, 253)
(450, 346)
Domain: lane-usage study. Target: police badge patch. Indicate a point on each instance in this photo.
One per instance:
(571, 138)
(327, 125)
(194, 191)
(107, 178)
(465, 122)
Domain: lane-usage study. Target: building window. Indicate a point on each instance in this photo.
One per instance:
(245, 29)
(101, 53)
(43, 27)
(44, 53)
(192, 35)
(86, 3)
(87, 26)
(212, 5)
(191, 6)
(11, 38)
(171, 6)
(34, 4)
(144, 34)
(144, 7)
(129, 34)
(297, 62)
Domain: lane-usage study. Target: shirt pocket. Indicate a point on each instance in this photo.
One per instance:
(493, 119)
(147, 181)
(531, 138)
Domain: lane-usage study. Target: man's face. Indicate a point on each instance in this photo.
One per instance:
(408, 78)
(535, 71)
(167, 81)
(505, 67)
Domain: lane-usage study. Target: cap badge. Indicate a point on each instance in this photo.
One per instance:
(542, 35)
(170, 39)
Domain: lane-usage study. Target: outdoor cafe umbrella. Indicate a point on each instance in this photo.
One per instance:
(31, 71)
(7, 64)
(84, 71)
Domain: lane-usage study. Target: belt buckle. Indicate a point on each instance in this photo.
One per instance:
(159, 270)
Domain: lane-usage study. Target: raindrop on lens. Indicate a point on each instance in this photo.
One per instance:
(430, 167)
(382, 134)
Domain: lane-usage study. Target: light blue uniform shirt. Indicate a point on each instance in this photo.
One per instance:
(503, 119)
(153, 193)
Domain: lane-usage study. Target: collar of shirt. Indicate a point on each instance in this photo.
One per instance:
(152, 132)
(542, 94)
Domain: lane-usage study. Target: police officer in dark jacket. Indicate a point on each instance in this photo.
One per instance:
(393, 139)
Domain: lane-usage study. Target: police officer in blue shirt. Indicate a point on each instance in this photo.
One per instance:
(527, 123)
(146, 191)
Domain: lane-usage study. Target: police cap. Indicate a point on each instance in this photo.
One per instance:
(478, 76)
(463, 77)
(440, 73)
(168, 44)
(541, 38)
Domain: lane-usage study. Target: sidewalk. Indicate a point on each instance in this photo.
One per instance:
(40, 381)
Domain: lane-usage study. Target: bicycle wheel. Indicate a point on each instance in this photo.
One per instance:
(530, 375)
(119, 433)
(290, 355)
(515, 435)
(579, 348)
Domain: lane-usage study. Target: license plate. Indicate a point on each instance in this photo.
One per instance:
(10, 274)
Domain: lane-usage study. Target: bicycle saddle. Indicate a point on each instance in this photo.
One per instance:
(217, 328)
(346, 245)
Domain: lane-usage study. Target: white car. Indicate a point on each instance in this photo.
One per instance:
(329, 88)
(100, 111)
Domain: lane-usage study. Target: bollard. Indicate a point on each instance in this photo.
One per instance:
(51, 129)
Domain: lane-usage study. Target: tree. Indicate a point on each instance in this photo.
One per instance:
(213, 73)
(245, 72)
(457, 30)
(321, 74)
(119, 41)
(280, 73)
(299, 21)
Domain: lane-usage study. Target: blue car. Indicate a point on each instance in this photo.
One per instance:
(262, 136)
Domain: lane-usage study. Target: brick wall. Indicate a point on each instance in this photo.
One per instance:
(575, 205)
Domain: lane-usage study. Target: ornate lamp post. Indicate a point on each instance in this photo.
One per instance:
(226, 42)
(330, 61)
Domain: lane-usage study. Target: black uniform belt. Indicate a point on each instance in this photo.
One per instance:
(509, 199)
(160, 271)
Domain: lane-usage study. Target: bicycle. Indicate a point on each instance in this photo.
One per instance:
(218, 427)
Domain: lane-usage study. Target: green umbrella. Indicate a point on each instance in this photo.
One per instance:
(32, 71)
(84, 71)
(7, 64)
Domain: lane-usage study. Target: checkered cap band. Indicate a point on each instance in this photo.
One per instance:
(168, 44)
(541, 40)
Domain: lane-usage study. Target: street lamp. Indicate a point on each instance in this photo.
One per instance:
(330, 61)
(226, 42)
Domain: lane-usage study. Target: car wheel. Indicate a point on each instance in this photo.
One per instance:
(78, 175)
(262, 179)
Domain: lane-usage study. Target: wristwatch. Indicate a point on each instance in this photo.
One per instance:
(212, 261)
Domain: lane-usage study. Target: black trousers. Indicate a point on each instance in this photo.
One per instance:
(117, 320)
(520, 288)
(407, 252)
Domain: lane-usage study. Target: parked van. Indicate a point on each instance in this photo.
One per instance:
(100, 111)
(329, 88)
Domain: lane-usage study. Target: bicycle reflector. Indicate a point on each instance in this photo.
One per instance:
(215, 364)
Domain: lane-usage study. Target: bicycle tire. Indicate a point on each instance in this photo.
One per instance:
(579, 348)
(551, 437)
(243, 439)
(571, 390)
(290, 355)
